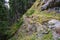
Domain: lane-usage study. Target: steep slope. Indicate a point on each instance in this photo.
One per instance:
(10, 20)
(32, 24)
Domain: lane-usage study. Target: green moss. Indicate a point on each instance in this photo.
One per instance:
(41, 16)
(47, 37)
(30, 12)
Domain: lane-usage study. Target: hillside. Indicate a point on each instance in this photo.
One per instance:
(11, 19)
(32, 27)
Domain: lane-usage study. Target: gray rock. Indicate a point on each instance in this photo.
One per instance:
(56, 9)
(54, 25)
(50, 4)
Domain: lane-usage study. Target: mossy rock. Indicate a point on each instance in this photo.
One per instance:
(40, 16)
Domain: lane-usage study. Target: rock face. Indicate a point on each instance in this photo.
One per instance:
(51, 4)
(31, 25)
(36, 22)
(56, 9)
(54, 25)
